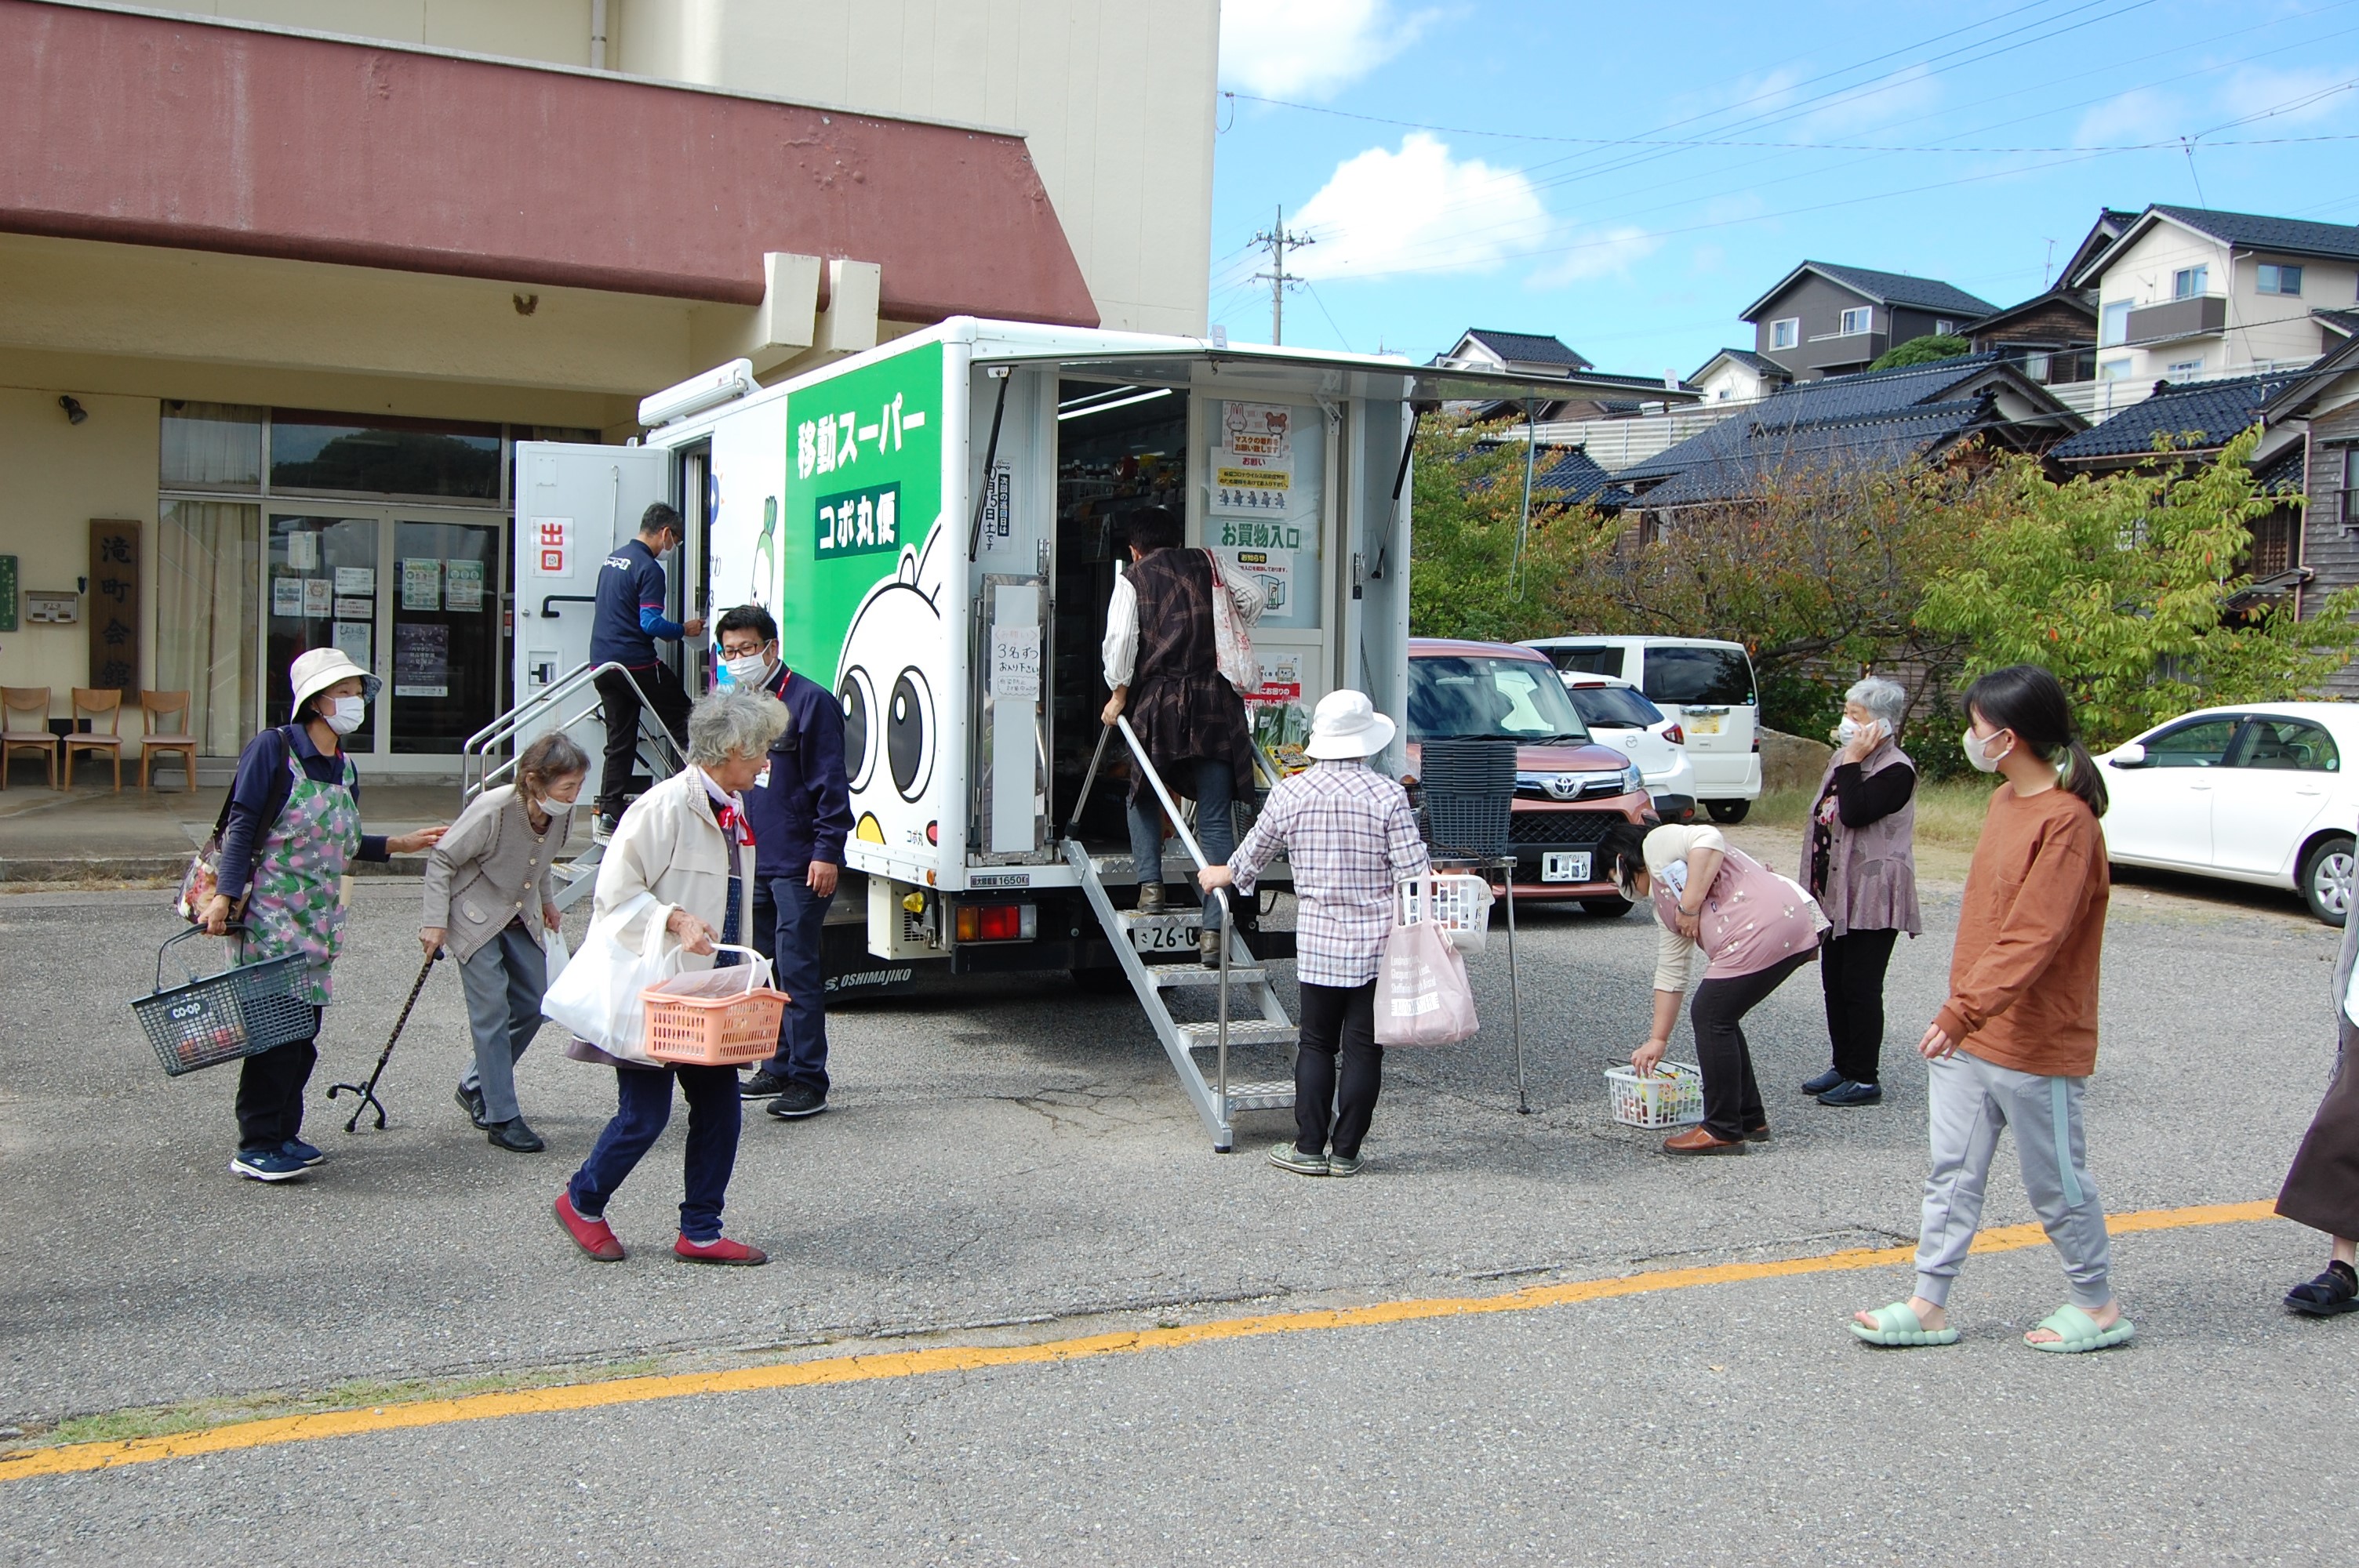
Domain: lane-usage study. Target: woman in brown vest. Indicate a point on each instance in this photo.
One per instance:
(1163, 669)
(1859, 862)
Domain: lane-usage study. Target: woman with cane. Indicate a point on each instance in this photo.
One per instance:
(294, 827)
(490, 891)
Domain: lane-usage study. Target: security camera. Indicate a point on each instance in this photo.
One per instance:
(75, 411)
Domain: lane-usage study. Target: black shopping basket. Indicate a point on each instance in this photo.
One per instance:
(1468, 788)
(244, 1010)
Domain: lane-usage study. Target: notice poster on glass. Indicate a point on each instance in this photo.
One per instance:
(1252, 466)
(353, 642)
(1264, 503)
(422, 660)
(287, 597)
(361, 580)
(304, 552)
(462, 585)
(355, 609)
(421, 584)
(319, 597)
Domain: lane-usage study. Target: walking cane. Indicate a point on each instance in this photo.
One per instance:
(367, 1091)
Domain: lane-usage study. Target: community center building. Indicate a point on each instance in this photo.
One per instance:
(276, 303)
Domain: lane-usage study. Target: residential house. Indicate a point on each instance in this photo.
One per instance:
(2053, 336)
(1567, 476)
(1596, 394)
(2196, 421)
(1739, 375)
(1879, 419)
(2188, 291)
(1822, 320)
(2318, 410)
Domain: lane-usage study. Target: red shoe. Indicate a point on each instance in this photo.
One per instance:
(595, 1237)
(1697, 1140)
(720, 1249)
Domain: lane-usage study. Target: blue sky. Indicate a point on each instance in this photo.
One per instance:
(1955, 141)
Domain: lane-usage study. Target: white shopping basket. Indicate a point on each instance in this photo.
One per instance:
(1459, 904)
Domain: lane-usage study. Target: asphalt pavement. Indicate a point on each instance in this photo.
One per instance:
(1018, 1164)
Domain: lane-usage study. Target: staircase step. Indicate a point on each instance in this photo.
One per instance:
(1241, 1032)
(1274, 1093)
(1240, 974)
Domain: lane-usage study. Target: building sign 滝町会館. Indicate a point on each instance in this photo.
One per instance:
(114, 604)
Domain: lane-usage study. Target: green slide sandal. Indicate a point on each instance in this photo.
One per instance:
(1898, 1328)
(2077, 1333)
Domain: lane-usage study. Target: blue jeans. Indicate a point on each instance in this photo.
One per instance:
(786, 919)
(1214, 789)
(503, 981)
(643, 1105)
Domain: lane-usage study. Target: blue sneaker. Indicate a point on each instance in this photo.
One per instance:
(1851, 1093)
(309, 1154)
(1829, 1079)
(266, 1165)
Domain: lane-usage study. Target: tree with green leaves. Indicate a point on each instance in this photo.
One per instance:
(1468, 578)
(1922, 351)
(2121, 584)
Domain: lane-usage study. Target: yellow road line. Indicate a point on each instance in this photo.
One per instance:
(73, 1458)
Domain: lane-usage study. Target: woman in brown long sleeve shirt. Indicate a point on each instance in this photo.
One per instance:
(2016, 1041)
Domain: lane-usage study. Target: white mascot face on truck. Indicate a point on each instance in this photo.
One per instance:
(889, 680)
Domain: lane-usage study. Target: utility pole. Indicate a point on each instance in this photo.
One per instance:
(1278, 241)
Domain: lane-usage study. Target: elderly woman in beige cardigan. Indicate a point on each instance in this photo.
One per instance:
(687, 843)
(489, 880)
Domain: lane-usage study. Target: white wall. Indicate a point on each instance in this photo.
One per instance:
(2261, 327)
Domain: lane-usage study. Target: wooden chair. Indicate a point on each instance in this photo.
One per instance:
(155, 709)
(94, 705)
(25, 727)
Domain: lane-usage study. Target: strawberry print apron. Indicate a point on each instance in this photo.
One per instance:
(296, 905)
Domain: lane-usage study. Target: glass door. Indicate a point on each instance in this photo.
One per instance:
(443, 677)
(322, 582)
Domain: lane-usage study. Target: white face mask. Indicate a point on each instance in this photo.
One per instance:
(1848, 729)
(747, 670)
(1978, 752)
(344, 714)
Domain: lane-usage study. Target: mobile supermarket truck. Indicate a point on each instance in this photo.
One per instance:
(936, 525)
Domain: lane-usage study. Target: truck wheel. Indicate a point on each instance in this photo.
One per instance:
(2326, 878)
(1606, 908)
(1729, 811)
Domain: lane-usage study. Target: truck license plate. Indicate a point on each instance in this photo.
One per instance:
(1703, 724)
(1167, 933)
(1568, 867)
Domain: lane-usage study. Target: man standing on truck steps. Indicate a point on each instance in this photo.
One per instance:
(801, 812)
(632, 593)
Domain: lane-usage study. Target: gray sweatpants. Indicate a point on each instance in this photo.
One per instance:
(1969, 1102)
(503, 981)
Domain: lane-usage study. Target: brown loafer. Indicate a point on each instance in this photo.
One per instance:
(1696, 1140)
(1757, 1134)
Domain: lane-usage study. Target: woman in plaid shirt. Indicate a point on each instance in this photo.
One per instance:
(1349, 833)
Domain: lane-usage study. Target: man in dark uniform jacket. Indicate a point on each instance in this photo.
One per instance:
(624, 627)
(1163, 667)
(802, 813)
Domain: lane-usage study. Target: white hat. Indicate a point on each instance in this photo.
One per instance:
(1346, 724)
(316, 671)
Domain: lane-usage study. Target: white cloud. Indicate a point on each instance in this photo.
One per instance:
(2141, 114)
(1914, 91)
(2253, 91)
(1597, 253)
(1310, 49)
(1416, 209)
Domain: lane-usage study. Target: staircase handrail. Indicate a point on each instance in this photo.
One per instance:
(477, 774)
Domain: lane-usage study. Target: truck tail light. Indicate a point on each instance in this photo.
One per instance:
(997, 921)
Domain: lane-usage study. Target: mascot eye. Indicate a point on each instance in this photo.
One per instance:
(859, 759)
(906, 737)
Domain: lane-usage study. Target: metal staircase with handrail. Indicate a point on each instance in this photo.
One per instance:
(480, 769)
(1216, 1099)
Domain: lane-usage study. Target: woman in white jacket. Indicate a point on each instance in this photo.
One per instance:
(686, 843)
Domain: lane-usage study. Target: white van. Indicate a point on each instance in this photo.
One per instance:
(1706, 685)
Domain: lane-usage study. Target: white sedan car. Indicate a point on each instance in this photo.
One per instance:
(2253, 793)
(1619, 716)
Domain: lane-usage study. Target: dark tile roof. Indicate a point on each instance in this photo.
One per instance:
(1527, 348)
(2211, 411)
(2343, 321)
(1762, 363)
(1878, 441)
(2264, 233)
(2285, 473)
(1885, 288)
(2072, 299)
(1568, 476)
(1837, 399)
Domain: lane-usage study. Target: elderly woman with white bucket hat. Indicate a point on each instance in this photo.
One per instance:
(291, 827)
(1351, 839)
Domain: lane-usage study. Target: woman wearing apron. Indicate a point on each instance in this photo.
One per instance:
(294, 827)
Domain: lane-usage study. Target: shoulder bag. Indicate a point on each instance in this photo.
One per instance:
(1231, 643)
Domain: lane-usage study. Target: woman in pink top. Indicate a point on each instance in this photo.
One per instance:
(1753, 928)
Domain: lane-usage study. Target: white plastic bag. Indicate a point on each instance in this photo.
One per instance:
(1422, 997)
(554, 955)
(1233, 649)
(597, 997)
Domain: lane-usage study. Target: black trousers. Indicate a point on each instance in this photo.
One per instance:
(1731, 1099)
(271, 1092)
(1852, 969)
(619, 707)
(1338, 1021)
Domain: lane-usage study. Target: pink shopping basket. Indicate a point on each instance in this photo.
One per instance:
(716, 1018)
